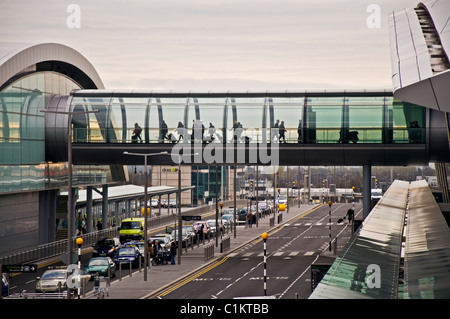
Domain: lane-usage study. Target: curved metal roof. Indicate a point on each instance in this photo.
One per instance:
(25, 59)
(420, 42)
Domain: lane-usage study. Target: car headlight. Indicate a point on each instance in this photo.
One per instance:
(111, 250)
(94, 251)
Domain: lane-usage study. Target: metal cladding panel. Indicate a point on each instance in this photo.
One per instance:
(413, 77)
(17, 61)
(56, 132)
(427, 250)
(440, 13)
(377, 242)
(409, 52)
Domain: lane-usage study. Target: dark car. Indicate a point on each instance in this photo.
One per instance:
(106, 247)
(191, 232)
(128, 254)
(5, 286)
(101, 266)
(185, 237)
(242, 216)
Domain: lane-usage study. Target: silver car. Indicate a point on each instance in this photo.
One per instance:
(55, 280)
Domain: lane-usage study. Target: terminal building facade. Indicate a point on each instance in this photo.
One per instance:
(31, 206)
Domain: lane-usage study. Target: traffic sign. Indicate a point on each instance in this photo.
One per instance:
(19, 268)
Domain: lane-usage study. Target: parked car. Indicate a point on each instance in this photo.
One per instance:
(228, 211)
(191, 231)
(132, 229)
(227, 220)
(172, 203)
(212, 225)
(106, 247)
(101, 266)
(242, 216)
(185, 237)
(206, 228)
(164, 240)
(127, 255)
(55, 280)
(5, 286)
(282, 199)
(154, 203)
(264, 208)
(139, 244)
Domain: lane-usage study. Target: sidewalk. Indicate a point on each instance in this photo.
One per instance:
(162, 277)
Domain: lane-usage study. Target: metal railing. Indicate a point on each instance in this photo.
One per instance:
(330, 135)
(56, 248)
(208, 251)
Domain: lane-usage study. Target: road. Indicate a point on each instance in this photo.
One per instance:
(291, 250)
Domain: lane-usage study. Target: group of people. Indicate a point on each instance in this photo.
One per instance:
(277, 132)
(154, 246)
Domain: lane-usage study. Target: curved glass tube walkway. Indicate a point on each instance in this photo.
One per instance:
(307, 118)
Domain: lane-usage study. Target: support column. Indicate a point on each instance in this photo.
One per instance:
(367, 191)
(88, 221)
(104, 206)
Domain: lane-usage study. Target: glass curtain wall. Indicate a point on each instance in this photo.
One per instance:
(22, 130)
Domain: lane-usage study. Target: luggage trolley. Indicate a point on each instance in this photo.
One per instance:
(162, 257)
(101, 287)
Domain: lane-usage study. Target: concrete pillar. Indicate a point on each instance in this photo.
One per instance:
(88, 220)
(105, 206)
(367, 191)
(47, 216)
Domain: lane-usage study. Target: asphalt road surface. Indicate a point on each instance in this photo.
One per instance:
(290, 252)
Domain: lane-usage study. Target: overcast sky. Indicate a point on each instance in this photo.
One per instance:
(216, 45)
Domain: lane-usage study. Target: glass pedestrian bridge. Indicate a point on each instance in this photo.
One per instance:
(306, 128)
(307, 118)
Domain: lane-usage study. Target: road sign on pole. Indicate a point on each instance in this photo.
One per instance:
(19, 268)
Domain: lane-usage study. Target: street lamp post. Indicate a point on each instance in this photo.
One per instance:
(180, 228)
(145, 204)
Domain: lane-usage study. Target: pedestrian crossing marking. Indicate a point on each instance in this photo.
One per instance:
(278, 253)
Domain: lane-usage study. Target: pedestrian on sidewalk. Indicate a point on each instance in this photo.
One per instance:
(250, 219)
(173, 252)
(150, 252)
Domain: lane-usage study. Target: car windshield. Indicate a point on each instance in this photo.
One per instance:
(175, 232)
(130, 225)
(105, 242)
(54, 275)
(126, 251)
(227, 217)
(160, 240)
(98, 262)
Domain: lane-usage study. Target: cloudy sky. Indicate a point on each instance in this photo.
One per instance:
(216, 45)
